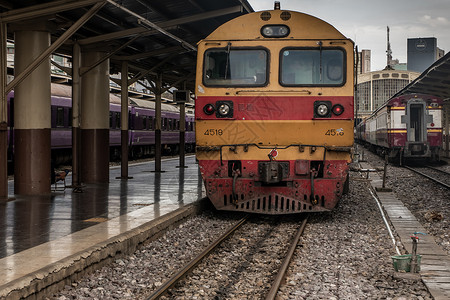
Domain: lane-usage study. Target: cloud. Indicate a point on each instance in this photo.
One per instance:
(433, 22)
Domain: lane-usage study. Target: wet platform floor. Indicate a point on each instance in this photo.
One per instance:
(27, 222)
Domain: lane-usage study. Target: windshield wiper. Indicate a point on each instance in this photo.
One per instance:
(320, 61)
(228, 59)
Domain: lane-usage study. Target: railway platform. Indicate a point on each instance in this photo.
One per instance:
(48, 240)
(435, 264)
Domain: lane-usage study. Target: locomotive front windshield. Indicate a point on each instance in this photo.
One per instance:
(235, 67)
(312, 67)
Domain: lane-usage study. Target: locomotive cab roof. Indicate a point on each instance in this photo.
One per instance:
(301, 26)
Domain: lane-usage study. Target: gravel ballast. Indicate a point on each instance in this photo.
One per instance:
(344, 254)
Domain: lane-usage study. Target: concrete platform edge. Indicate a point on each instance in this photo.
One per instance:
(53, 277)
(438, 290)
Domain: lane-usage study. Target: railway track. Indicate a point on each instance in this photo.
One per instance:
(282, 271)
(439, 176)
(269, 232)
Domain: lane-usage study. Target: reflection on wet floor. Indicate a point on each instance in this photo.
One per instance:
(28, 221)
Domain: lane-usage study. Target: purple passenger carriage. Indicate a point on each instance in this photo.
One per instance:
(141, 139)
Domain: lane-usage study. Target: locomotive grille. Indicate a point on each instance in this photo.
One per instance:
(272, 204)
(265, 16)
(285, 15)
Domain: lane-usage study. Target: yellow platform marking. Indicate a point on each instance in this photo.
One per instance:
(96, 220)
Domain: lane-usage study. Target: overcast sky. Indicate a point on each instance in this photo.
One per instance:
(365, 22)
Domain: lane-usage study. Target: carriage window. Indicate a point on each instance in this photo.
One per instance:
(312, 67)
(150, 123)
(70, 117)
(60, 117)
(110, 120)
(118, 125)
(235, 67)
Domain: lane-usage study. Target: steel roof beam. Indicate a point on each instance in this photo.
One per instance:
(5, 4)
(45, 9)
(87, 69)
(246, 5)
(143, 74)
(190, 75)
(150, 53)
(150, 25)
(44, 55)
(167, 25)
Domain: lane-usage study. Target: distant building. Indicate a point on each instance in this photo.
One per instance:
(363, 61)
(395, 64)
(400, 67)
(440, 53)
(422, 53)
(375, 88)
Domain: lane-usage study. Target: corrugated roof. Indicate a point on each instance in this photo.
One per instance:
(433, 81)
(153, 36)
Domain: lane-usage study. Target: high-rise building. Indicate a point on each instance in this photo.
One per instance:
(363, 61)
(422, 53)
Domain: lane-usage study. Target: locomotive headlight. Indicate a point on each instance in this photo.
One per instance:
(224, 109)
(283, 31)
(322, 110)
(267, 31)
(275, 31)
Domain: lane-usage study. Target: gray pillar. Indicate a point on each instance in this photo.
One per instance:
(95, 119)
(76, 99)
(182, 134)
(124, 121)
(32, 115)
(182, 105)
(3, 118)
(158, 123)
(447, 130)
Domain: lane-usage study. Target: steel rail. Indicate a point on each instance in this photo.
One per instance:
(429, 177)
(282, 271)
(438, 170)
(177, 276)
(386, 223)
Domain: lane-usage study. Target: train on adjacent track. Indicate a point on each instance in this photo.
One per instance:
(141, 138)
(405, 127)
(274, 113)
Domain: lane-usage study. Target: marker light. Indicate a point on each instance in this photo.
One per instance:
(208, 109)
(275, 31)
(338, 109)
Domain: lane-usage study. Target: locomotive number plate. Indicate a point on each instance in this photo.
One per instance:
(334, 132)
(213, 131)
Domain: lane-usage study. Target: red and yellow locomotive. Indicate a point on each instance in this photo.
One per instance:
(274, 113)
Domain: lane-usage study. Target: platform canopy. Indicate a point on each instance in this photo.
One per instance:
(155, 37)
(434, 81)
